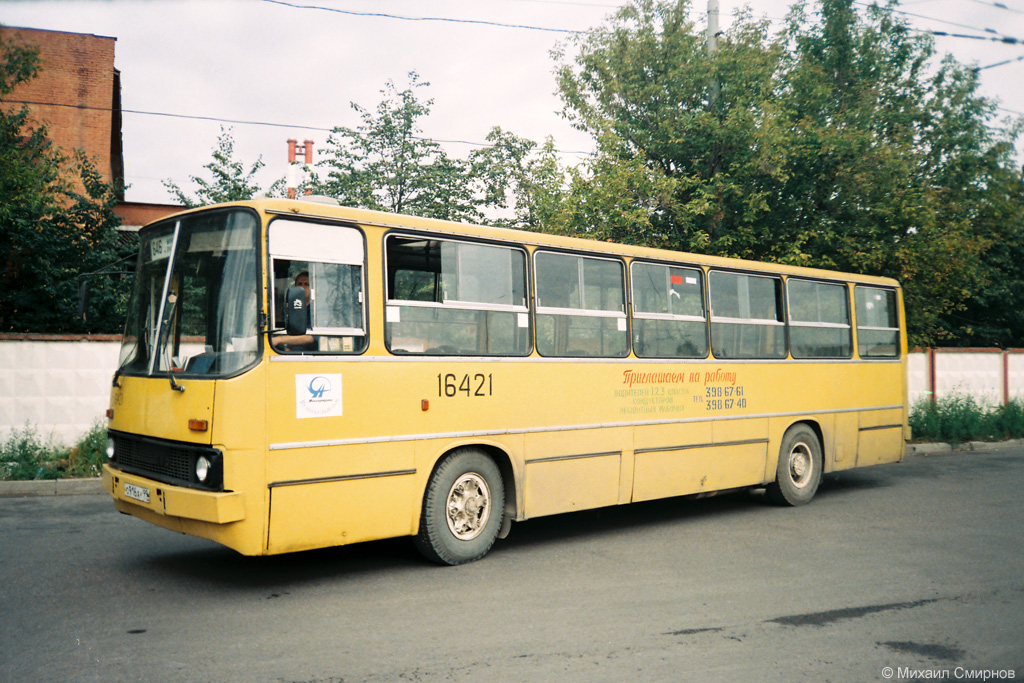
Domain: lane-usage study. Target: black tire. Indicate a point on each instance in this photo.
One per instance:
(462, 508)
(800, 465)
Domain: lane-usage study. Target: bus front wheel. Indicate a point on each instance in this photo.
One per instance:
(799, 471)
(462, 509)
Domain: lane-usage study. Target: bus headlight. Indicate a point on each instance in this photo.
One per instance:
(202, 468)
(110, 448)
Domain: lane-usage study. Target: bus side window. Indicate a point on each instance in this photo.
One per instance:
(668, 311)
(580, 306)
(878, 330)
(330, 257)
(448, 297)
(819, 320)
(746, 316)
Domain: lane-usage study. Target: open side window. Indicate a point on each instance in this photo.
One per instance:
(325, 263)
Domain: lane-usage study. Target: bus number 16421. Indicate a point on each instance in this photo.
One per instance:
(471, 385)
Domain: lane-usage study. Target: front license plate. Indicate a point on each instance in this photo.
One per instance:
(138, 493)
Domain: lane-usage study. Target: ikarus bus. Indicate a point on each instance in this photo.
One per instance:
(297, 375)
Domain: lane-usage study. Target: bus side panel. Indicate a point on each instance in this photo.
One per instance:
(664, 461)
(706, 456)
(667, 458)
(574, 470)
(881, 437)
(844, 440)
(743, 454)
(331, 513)
(334, 495)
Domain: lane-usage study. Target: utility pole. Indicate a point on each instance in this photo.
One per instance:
(713, 45)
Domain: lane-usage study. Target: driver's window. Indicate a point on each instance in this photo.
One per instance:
(326, 262)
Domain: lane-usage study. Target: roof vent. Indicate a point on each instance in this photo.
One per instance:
(319, 199)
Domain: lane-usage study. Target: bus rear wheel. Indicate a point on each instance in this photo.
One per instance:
(799, 470)
(462, 509)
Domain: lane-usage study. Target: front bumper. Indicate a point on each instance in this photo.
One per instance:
(173, 501)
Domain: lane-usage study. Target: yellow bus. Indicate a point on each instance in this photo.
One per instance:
(297, 375)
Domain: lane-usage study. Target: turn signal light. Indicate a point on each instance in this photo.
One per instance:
(110, 413)
(198, 425)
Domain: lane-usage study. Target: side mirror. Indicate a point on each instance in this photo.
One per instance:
(83, 297)
(295, 317)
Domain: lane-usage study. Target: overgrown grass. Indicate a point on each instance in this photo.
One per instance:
(25, 455)
(957, 418)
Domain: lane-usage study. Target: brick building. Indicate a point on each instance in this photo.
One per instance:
(77, 94)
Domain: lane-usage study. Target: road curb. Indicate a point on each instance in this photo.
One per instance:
(52, 487)
(969, 446)
(928, 448)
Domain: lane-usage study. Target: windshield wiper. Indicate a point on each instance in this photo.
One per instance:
(165, 331)
(164, 316)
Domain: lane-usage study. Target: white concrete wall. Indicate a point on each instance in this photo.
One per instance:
(917, 377)
(1015, 374)
(970, 373)
(61, 388)
(980, 373)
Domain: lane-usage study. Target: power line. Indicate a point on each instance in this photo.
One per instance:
(383, 15)
(998, 5)
(943, 21)
(568, 2)
(272, 124)
(1005, 61)
(1007, 40)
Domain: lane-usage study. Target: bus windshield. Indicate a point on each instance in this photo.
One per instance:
(194, 306)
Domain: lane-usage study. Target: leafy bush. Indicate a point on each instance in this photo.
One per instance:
(25, 455)
(957, 418)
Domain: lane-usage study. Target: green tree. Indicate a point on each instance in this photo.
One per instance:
(528, 182)
(230, 180)
(56, 222)
(829, 145)
(386, 163)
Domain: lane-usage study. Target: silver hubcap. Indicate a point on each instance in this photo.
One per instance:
(800, 465)
(469, 506)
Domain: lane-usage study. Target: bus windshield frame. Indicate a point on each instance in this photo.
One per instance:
(194, 310)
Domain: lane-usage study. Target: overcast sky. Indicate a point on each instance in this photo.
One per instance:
(263, 61)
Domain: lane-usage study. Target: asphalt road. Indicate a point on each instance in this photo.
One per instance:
(918, 567)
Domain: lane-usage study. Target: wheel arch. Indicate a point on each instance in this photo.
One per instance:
(778, 432)
(819, 432)
(497, 453)
(802, 478)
